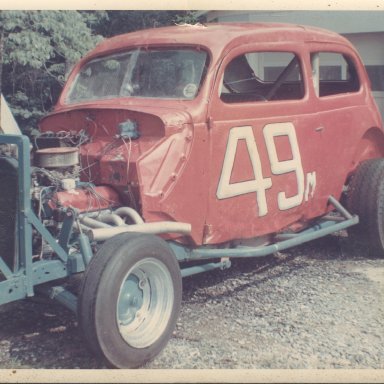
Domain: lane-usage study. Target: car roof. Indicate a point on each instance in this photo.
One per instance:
(218, 37)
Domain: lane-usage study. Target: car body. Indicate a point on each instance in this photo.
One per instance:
(231, 164)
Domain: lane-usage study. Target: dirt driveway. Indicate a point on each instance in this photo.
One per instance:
(315, 306)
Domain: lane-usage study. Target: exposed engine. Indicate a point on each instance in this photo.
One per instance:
(85, 181)
(57, 191)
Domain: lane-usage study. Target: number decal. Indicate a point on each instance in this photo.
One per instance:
(306, 184)
(311, 185)
(259, 184)
(280, 167)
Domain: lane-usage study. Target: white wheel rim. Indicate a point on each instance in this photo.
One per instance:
(145, 303)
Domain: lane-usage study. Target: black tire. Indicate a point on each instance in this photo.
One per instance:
(132, 274)
(366, 199)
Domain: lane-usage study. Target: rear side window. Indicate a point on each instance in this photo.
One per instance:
(262, 76)
(334, 73)
(376, 75)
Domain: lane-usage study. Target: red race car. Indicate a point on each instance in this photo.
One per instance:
(202, 143)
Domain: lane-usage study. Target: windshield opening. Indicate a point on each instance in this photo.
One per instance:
(156, 73)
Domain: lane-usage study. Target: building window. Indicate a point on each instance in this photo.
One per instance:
(376, 75)
(261, 77)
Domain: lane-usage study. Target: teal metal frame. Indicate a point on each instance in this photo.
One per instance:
(321, 228)
(20, 283)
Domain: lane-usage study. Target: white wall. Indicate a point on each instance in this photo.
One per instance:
(338, 21)
(371, 50)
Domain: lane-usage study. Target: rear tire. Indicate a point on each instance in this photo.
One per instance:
(366, 199)
(130, 299)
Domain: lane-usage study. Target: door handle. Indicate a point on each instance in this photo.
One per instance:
(319, 129)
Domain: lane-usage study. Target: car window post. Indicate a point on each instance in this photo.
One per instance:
(316, 72)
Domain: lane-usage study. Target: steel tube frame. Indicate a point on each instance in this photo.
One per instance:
(315, 233)
(189, 271)
(20, 283)
(64, 297)
(289, 240)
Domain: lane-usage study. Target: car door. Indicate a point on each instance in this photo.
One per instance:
(343, 113)
(264, 143)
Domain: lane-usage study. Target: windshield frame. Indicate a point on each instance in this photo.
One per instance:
(190, 92)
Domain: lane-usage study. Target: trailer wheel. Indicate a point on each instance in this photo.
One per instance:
(130, 299)
(366, 199)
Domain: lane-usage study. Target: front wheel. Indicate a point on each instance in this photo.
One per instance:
(130, 299)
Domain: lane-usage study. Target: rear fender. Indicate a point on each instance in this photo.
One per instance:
(370, 146)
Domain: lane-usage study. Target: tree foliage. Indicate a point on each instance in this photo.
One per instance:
(37, 48)
(127, 21)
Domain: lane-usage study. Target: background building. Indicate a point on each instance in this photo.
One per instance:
(365, 29)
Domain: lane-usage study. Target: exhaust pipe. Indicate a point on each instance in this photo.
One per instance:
(89, 222)
(101, 234)
(111, 218)
(129, 212)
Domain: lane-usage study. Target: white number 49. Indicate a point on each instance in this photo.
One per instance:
(259, 184)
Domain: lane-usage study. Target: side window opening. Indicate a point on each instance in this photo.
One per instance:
(333, 74)
(263, 76)
(376, 75)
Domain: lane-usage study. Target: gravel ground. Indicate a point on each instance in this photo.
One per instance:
(316, 306)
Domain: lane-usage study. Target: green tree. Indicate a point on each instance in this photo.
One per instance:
(128, 21)
(36, 50)
(189, 17)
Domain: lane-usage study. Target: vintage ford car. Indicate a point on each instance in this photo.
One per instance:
(197, 144)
